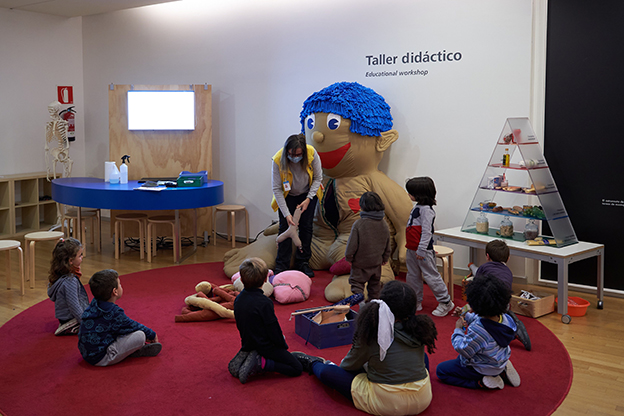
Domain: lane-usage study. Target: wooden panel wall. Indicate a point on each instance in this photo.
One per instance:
(163, 153)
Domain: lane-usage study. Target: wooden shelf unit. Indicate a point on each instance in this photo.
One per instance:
(23, 206)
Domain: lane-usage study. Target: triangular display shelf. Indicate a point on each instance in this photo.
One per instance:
(528, 166)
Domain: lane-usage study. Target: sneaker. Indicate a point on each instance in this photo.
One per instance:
(521, 332)
(443, 309)
(492, 382)
(510, 375)
(70, 327)
(236, 362)
(419, 307)
(351, 300)
(307, 360)
(148, 350)
(306, 269)
(251, 366)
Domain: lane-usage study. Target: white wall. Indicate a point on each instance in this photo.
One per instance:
(263, 59)
(37, 54)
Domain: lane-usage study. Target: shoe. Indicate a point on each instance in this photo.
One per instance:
(236, 362)
(148, 350)
(521, 332)
(306, 269)
(510, 375)
(419, 307)
(70, 327)
(251, 366)
(443, 309)
(492, 382)
(351, 300)
(307, 360)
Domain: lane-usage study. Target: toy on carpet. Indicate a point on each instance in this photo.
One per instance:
(267, 286)
(350, 152)
(291, 286)
(209, 303)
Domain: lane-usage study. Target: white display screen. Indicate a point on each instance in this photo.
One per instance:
(161, 110)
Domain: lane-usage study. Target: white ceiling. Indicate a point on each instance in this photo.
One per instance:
(73, 8)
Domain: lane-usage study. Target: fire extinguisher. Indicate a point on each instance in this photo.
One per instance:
(69, 115)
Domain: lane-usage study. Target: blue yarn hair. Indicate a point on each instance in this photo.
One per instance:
(368, 111)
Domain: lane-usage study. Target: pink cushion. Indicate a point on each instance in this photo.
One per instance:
(291, 286)
(340, 267)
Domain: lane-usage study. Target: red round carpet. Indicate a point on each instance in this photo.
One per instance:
(44, 374)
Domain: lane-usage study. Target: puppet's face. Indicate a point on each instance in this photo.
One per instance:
(342, 152)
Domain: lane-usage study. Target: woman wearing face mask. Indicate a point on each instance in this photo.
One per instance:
(296, 181)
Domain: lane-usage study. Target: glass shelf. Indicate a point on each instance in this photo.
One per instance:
(529, 165)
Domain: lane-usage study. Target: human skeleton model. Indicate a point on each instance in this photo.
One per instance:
(56, 135)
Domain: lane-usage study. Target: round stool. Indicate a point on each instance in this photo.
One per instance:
(91, 215)
(141, 220)
(446, 255)
(29, 243)
(151, 239)
(8, 245)
(231, 225)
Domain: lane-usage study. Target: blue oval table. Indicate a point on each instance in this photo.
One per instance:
(95, 193)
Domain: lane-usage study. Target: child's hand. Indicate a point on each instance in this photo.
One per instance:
(457, 311)
(151, 341)
(461, 323)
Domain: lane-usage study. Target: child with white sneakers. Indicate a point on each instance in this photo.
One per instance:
(482, 340)
(420, 257)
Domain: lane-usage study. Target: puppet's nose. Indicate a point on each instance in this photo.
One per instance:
(318, 137)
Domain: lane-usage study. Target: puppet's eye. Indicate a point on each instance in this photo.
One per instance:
(310, 122)
(333, 121)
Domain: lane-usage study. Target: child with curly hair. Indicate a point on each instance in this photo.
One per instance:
(386, 371)
(483, 347)
(64, 288)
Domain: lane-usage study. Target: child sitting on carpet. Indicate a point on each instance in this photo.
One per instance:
(497, 254)
(368, 246)
(107, 335)
(386, 371)
(64, 288)
(483, 346)
(263, 347)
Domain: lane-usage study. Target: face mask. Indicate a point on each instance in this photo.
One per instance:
(296, 159)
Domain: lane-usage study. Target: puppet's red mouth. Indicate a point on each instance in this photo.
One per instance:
(329, 160)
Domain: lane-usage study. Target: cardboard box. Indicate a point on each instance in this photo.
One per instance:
(533, 308)
(325, 335)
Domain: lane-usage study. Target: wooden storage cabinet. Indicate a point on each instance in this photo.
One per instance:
(25, 204)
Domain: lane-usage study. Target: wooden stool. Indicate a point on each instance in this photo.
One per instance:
(29, 243)
(231, 227)
(446, 255)
(151, 239)
(140, 219)
(8, 245)
(91, 215)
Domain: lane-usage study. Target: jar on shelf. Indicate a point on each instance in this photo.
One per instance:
(483, 225)
(506, 227)
(530, 230)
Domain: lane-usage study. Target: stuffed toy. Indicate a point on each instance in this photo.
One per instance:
(267, 287)
(291, 232)
(291, 286)
(350, 126)
(201, 307)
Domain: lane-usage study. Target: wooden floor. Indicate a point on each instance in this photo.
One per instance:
(595, 342)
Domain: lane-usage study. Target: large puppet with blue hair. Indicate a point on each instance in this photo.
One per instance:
(350, 126)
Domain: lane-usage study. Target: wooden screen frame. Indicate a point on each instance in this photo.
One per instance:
(162, 153)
